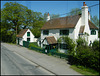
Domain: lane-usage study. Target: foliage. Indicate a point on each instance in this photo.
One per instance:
(52, 16)
(95, 20)
(14, 17)
(75, 11)
(69, 42)
(81, 42)
(95, 45)
(84, 70)
(34, 44)
(85, 55)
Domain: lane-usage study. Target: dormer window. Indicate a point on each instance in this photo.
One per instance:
(28, 33)
(93, 32)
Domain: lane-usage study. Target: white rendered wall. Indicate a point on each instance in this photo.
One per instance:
(56, 33)
(85, 19)
(77, 29)
(94, 37)
(31, 36)
(24, 38)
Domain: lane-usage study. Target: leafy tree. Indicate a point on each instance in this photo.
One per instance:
(16, 16)
(75, 11)
(95, 20)
(69, 42)
(52, 16)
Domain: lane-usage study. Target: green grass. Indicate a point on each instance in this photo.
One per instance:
(12, 43)
(84, 71)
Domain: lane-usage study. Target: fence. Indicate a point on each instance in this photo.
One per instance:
(26, 44)
(52, 52)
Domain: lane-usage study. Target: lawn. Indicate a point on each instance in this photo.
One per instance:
(84, 71)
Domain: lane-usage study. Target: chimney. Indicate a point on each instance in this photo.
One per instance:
(48, 17)
(85, 18)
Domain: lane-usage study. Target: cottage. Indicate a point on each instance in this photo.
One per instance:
(72, 26)
(25, 35)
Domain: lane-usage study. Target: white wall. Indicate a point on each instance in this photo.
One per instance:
(77, 29)
(56, 33)
(24, 38)
(93, 37)
(31, 36)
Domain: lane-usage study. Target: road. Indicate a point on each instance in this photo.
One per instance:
(14, 64)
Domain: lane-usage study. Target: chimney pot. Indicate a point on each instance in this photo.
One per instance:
(48, 13)
(84, 4)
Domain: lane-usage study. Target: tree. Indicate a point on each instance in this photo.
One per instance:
(69, 42)
(95, 20)
(52, 16)
(15, 16)
(75, 11)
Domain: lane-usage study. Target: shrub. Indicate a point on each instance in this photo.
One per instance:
(95, 45)
(86, 56)
(81, 42)
(34, 44)
(69, 42)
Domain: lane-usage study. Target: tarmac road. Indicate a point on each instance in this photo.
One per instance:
(48, 64)
(14, 64)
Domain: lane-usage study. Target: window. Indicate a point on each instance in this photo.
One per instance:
(64, 32)
(28, 39)
(28, 33)
(45, 32)
(93, 32)
(63, 46)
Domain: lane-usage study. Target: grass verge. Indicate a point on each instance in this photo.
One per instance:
(84, 71)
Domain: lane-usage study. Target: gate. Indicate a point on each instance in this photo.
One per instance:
(26, 44)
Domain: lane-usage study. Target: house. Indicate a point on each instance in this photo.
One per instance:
(72, 26)
(25, 35)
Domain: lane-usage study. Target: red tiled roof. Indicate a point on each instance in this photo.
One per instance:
(51, 40)
(22, 32)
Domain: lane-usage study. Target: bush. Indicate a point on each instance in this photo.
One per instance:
(69, 42)
(34, 44)
(95, 45)
(81, 42)
(86, 56)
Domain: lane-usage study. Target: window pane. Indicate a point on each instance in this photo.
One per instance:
(64, 32)
(93, 32)
(28, 33)
(45, 32)
(28, 39)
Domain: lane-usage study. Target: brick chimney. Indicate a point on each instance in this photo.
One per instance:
(48, 17)
(85, 18)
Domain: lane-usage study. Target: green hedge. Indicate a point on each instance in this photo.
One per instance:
(86, 56)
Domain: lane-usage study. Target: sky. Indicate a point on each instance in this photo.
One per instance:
(57, 7)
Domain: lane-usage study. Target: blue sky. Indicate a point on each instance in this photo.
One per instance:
(57, 7)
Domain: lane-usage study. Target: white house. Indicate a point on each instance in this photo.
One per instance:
(72, 26)
(25, 35)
